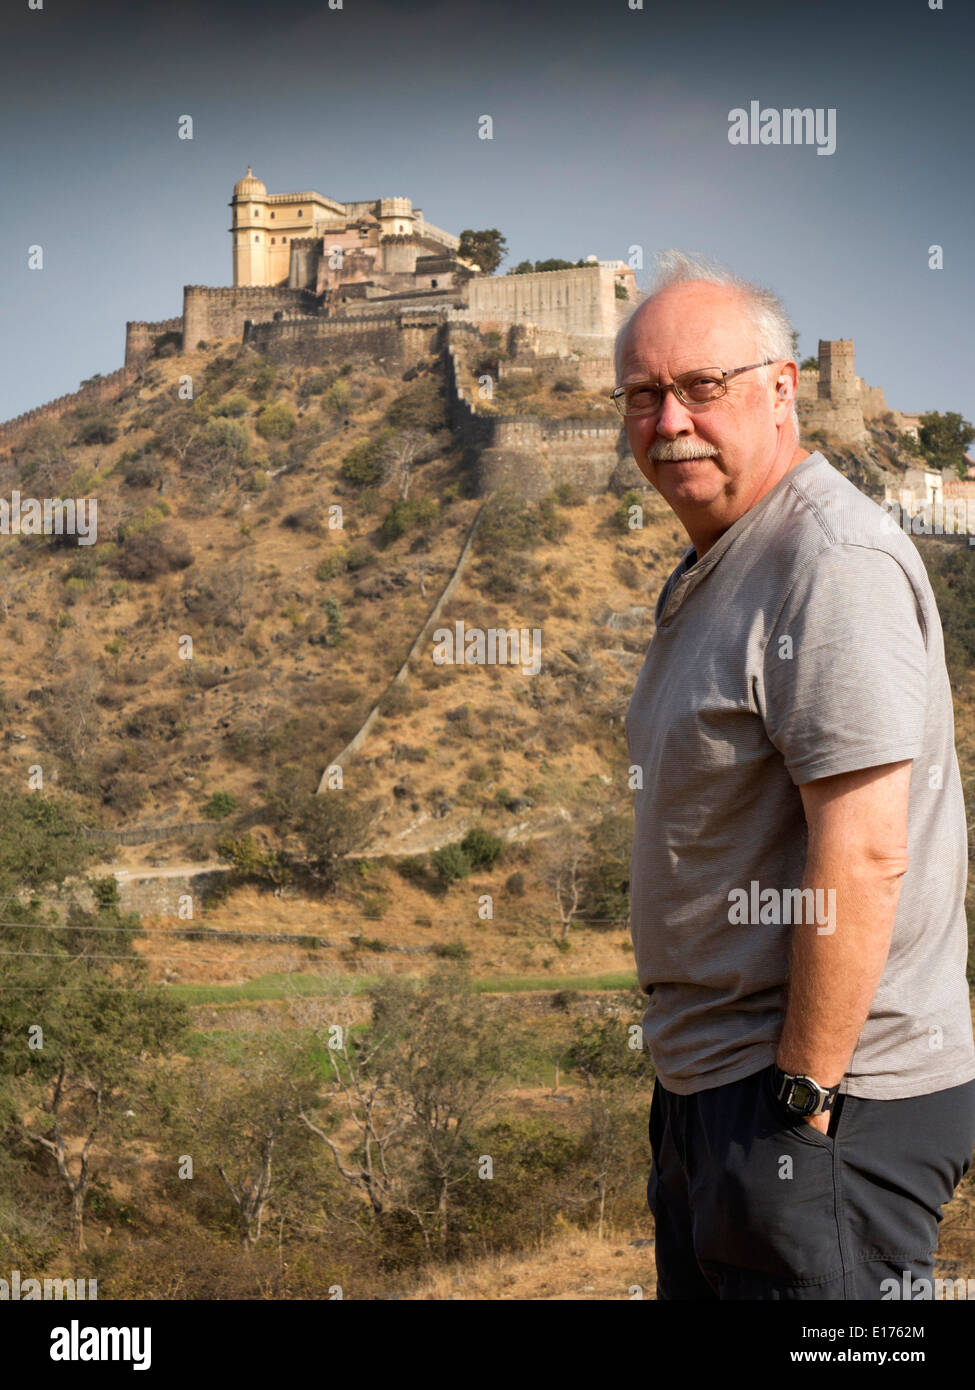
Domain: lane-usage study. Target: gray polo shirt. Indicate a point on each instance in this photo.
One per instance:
(805, 643)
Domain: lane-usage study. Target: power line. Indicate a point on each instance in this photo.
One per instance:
(71, 960)
(212, 932)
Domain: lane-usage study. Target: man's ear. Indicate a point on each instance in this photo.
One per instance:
(786, 384)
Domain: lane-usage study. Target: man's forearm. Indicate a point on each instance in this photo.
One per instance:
(834, 973)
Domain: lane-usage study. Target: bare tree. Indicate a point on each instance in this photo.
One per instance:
(246, 1129)
(77, 1100)
(369, 1096)
(565, 862)
(401, 454)
(415, 1086)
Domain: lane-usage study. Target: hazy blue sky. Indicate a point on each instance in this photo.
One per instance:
(610, 128)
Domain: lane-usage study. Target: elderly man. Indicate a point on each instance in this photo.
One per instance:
(800, 850)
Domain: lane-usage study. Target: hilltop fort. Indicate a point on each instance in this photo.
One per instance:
(316, 280)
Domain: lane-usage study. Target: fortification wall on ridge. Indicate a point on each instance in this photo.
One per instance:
(106, 388)
(221, 312)
(841, 422)
(533, 455)
(389, 340)
(581, 300)
(873, 403)
(140, 336)
(592, 373)
(808, 385)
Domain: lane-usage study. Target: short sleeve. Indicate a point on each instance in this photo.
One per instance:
(845, 668)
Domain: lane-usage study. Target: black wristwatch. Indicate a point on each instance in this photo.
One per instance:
(800, 1094)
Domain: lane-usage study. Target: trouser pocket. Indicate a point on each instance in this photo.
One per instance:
(762, 1189)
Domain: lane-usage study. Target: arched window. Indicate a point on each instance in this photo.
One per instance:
(256, 237)
(273, 240)
(300, 214)
(272, 214)
(433, 284)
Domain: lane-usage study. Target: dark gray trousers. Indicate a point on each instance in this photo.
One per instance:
(749, 1204)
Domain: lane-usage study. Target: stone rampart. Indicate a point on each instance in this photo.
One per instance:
(142, 337)
(392, 341)
(534, 455)
(104, 388)
(221, 312)
(581, 300)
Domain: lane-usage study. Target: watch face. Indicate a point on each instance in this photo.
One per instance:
(803, 1098)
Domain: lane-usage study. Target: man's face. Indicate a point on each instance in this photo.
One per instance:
(711, 458)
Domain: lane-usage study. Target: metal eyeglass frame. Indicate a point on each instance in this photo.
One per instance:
(616, 395)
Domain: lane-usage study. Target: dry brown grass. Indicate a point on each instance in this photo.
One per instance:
(573, 1264)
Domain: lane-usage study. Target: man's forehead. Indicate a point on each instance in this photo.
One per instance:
(680, 324)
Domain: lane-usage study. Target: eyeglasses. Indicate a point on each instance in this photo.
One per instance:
(698, 387)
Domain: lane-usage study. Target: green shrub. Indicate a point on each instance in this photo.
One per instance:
(452, 950)
(568, 495)
(221, 444)
(413, 866)
(621, 516)
(362, 465)
(332, 565)
(252, 862)
(234, 405)
(276, 421)
(143, 470)
(450, 863)
(264, 379)
(336, 398)
(403, 516)
(421, 407)
(482, 848)
(359, 556)
(145, 521)
(85, 566)
(74, 588)
(220, 805)
(509, 522)
(144, 555)
(335, 625)
(98, 430)
(317, 383)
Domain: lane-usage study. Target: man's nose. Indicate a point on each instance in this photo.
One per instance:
(674, 417)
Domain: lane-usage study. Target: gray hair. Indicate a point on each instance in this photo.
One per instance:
(773, 330)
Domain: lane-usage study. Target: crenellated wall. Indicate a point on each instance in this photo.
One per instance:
(581, 300)
(534, 455)
(106, 388)
(836, 407)
(140, 337)
(220, 312)
(391, 340)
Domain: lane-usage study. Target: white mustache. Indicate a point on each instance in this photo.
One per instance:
(674, 450)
